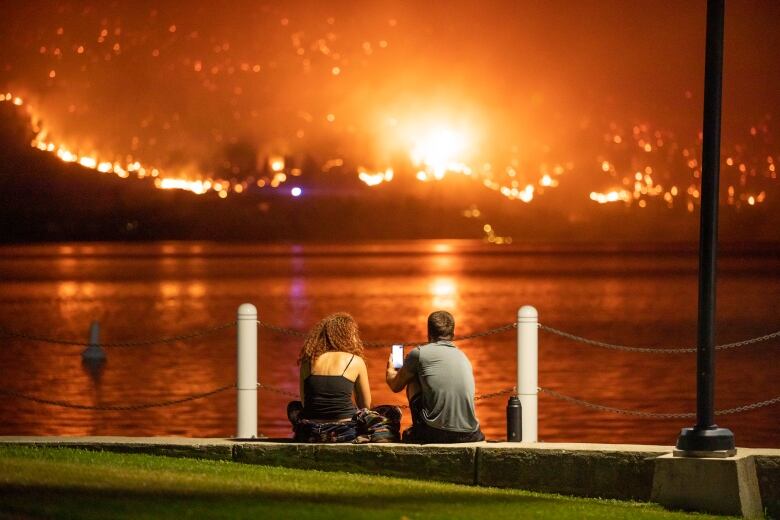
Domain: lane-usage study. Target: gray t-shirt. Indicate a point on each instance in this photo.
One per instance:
(447, 381)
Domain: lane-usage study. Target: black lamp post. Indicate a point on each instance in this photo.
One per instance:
(705, 438)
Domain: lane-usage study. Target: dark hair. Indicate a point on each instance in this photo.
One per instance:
(441, 325)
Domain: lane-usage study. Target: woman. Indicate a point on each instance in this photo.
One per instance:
(332, 370)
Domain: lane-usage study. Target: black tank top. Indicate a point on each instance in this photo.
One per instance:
(328, 397)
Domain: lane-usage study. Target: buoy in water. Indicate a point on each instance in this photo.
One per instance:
(94, 352)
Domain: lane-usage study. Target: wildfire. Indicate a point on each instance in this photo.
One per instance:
(440, 150)
(372, 179)
(276, 163)
(198, 187)
(163, 180)
(437, 150)
(612, 196)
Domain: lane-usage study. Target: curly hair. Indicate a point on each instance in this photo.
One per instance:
(336, 333)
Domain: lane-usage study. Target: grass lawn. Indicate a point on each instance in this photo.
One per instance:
(65, 483)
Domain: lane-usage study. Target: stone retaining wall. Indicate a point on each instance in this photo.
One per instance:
(443, 463)
(574, 470)
(768, 470)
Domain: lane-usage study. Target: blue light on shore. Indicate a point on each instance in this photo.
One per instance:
(296, 191)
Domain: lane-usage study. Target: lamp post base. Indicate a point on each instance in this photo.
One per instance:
(705, 442)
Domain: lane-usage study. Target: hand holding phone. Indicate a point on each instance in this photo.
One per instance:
(398, 356)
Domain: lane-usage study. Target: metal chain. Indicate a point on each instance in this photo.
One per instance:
(747, 407)
(653, 350)
(376, 344)
(603, 408)
(277, 390)
(282, 330)
(622, 411)
(479, 397)
(132, 343)
(497, 393)
(141, 406)
(749, 341)
(476, 398)
(489, 332)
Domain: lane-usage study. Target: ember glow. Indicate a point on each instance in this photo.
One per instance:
(372, 179)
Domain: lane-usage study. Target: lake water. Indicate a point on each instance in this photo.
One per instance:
(634, 296)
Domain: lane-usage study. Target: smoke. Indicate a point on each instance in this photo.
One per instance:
(203, 91)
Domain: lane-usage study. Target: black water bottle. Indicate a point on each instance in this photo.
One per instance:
(514, 420)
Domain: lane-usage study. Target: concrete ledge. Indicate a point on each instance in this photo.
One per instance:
(431, 462)
(587, 470)
(724, 486)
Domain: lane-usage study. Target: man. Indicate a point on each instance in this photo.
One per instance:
(439, 384)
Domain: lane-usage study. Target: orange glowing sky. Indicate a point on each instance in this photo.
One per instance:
(599, 98)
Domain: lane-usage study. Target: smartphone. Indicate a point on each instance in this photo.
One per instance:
(398, 356)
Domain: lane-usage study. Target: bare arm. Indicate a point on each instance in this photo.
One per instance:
(362, 388)
(397, 379)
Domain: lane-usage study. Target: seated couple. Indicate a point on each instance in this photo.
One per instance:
(437, 377)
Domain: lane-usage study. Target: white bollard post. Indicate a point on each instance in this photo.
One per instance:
(247, 372)
(528, 369)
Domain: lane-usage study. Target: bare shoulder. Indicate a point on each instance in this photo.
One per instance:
(356, 362)
(356, 367)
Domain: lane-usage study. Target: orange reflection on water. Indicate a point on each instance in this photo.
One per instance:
(442, 248)
(196, 290)
(444, 292)
(66, 290)
(638, 299)
(76, 290)
(170, 290)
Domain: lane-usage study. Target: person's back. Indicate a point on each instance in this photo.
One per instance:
(332, 370)
(447, 383)
(439, 383)
(329, 384)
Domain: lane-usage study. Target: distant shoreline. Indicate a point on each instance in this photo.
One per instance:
(416, 246)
